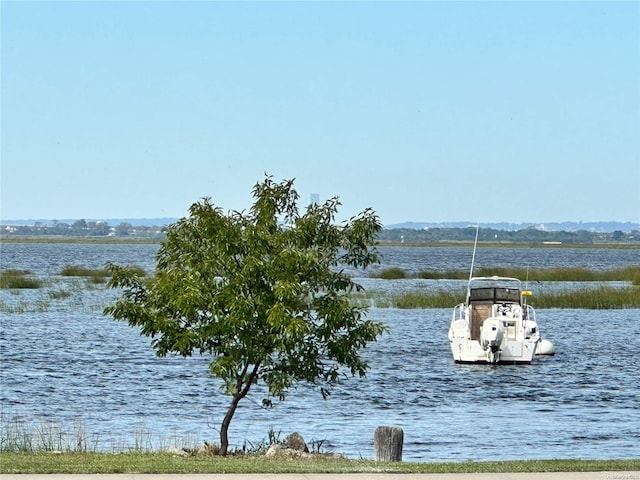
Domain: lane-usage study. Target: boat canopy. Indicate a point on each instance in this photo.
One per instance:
(494, 289)
(494, 295)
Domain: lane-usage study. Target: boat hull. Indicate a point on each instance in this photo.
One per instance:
(510, 352)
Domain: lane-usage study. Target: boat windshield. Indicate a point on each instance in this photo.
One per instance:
(495, 295)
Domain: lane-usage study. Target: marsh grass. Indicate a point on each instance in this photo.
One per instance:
(13, 279)
(600, 298)
(444, 275)
(39, 305)
(417, 299)
(79, 271)
(392, 273)
(59, 294)
(564, 274)
(95, 276)
(371, 298)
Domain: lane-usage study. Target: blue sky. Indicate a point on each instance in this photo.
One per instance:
(423, 111)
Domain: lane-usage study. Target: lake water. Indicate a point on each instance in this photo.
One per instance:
(62, 361)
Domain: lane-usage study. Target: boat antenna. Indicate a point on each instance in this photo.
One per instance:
(473, 257)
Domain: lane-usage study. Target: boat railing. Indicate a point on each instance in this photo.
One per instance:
(528, 313)
(459, 312)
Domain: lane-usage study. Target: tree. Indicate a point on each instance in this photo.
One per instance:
(123, 228)
(80, 224)
(263, 293)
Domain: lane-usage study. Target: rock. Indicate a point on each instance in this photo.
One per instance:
(295, 441)
(273, 450)
(276, 450)
(177, 452)
(294, 446)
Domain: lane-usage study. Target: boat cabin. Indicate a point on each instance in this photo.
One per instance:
(481, 301)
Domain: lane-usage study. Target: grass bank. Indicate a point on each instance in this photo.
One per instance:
(168, 463)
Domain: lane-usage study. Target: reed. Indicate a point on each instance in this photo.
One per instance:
(95, 275)
(418, 299)
(392, 273)
(79, 271)
(370, 298)
(17, 436)
(59, 294)
(447, 274)
(564, 274)
(20, 436)
(600, 298)
(19, 279)
(40, 305)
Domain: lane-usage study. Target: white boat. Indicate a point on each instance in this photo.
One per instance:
(495, 324)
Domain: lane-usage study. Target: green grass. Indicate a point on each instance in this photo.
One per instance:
(168, 463)
(19, 279)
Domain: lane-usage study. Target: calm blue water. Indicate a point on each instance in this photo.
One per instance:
(63, 362)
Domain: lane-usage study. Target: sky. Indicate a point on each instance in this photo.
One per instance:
(422, 111)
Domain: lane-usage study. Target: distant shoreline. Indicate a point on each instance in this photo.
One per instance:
(70, 239)
(445, 243)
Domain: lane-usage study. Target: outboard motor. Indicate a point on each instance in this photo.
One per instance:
(491, 337)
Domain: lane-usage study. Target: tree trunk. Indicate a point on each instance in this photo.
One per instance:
(387, 443)
(226, 421)
(243, 385)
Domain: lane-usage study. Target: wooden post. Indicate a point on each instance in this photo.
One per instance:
(387, 443)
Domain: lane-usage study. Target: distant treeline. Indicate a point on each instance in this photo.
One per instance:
(82, 228)
(526, 235)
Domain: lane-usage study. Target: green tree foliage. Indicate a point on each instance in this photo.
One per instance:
(263, 293)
